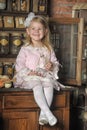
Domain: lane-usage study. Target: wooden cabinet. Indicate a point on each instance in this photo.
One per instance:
(20, 112)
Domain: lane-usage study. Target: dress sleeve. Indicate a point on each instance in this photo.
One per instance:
(20, 60)
(55, 64)
(20, 67)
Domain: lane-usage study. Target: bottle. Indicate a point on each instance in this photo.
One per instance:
(8, 69)
(42, 6)
(14, 5)
(1, 68)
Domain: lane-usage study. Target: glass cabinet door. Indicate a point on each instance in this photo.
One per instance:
(66, 37)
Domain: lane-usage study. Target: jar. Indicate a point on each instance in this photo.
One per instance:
(14, 5)
(23, 5)
(4, 43)
(16, 43)
(8, 69)
(42, 6)
(2, 4)
(1, 23)
(1, 68)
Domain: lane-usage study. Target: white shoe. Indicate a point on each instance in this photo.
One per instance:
(43, 120)
(52, 121)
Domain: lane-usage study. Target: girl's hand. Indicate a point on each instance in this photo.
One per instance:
(35, 73)
(49, 66)
(32, 72)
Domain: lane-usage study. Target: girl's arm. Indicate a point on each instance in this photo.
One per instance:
(20, 67)
(20, 60)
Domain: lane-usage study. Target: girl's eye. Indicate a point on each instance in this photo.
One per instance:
(32, 29)
(39, 29)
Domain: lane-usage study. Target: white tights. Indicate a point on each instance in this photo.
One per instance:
(43, 97)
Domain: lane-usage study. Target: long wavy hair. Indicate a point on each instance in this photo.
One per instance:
(46, 39)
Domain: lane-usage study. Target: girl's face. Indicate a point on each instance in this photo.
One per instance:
(36, 31)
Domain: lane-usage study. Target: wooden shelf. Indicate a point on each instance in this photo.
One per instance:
(8, 55)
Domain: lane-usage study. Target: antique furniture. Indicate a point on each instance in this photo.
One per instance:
(18, 110)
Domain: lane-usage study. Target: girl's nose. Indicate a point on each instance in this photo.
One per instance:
(36, 30)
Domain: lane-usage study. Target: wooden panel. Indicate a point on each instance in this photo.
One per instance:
(64, 20)
(20, 120)
(59, 100)
(19, 102)
(59, 126)
(28, 101)
(0, 102)
(21, 112)
(79, 51)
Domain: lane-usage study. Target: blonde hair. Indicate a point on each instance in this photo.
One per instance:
(46, 39)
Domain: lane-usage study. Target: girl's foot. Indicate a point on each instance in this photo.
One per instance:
(43, 120)
(51, 118)
(52, 121)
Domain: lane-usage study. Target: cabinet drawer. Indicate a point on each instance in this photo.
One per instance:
(60, 100)
(27, 101)
(19, 102)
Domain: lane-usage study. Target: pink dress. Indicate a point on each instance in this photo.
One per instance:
(33, 58)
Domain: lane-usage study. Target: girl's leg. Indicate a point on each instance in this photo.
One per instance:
(48, 92)
(42, 103)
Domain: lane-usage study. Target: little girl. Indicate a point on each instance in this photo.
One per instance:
(37, 67)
